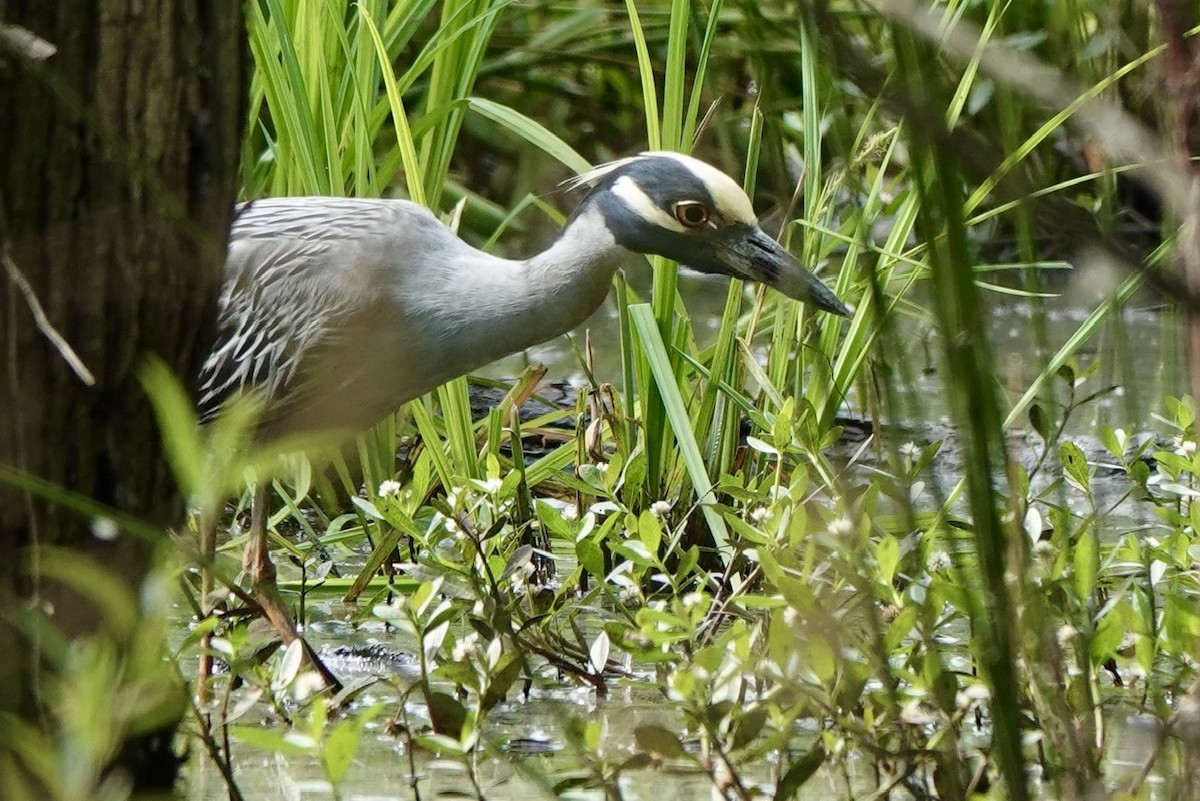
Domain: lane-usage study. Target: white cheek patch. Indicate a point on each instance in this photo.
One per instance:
(640, 204)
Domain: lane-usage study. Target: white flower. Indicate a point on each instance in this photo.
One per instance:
(660, 508)
(917, 714)
(840, 526)
(391, 488)
(570, 513)
(465, 647)
(307, 684)
(910, 450)
(1044, 549)
(938, 560)
(759, 513)
(971, 695)
(105, 528)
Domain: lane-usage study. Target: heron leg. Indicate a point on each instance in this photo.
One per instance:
(208, 548)
(260, 570)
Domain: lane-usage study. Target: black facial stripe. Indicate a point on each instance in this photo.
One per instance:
(693, 248)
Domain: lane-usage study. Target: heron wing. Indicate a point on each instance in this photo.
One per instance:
(298, 275)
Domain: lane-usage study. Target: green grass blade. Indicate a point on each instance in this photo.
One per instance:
(531, 131)
(677, 415)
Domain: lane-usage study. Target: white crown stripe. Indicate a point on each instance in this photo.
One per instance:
(727, 195)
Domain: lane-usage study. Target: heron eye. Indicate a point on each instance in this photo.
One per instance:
(691, 213)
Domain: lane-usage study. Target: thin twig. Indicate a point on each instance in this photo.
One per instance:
(43, 323)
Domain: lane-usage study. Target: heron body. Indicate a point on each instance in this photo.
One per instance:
(337, 311)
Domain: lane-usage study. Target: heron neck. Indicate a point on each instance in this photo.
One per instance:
(568, 281)
(481, 311)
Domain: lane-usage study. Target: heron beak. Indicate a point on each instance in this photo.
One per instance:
(750, 254)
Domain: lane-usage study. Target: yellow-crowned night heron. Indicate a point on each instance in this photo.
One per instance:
(337, 311)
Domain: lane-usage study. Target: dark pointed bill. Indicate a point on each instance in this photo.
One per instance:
(750, 254)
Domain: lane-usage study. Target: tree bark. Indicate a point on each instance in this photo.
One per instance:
(120, 128)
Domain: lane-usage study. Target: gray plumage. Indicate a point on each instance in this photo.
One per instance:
(337, 311)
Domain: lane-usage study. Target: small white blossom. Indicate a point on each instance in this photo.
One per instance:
(307, 684)
(759, 513)
(105, 528)
(391, 488)
(915, 713)
(972, 694)
(1184, 446)
(840, 526)
(938, 560)
(660, 509)
(692, 599)
(570, 513)
(520, 577)
(492, 485)
(465, 647)
(910, 450)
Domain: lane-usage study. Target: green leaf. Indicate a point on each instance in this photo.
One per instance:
(340, 747)
(505, 672)
(342, 743)
(821, 657)
(1037, 419)
(177, 421)
(267, 739)
(1110, 633)
(900, 627)
(583, 734)
(658, 740)
(590, 556)
(747, 726)
(1075, 465)
(800, 772)
(1086, 559)
(446, 714)
(650, 532)
(1113, 443)
(887, 556)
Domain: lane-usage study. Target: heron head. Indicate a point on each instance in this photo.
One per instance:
(672, 205)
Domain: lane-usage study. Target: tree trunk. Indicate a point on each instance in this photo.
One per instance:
(120, 127)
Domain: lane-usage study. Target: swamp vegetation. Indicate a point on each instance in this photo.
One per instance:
(742, 559)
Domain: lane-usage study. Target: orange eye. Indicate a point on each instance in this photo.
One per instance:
(691, 213)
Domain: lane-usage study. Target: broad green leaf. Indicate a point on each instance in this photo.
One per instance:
(658, 740)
